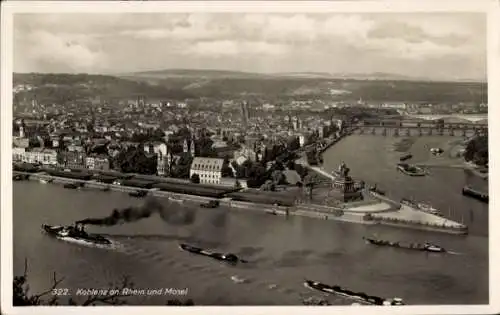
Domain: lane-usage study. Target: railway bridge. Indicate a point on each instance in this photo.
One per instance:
(411, 128)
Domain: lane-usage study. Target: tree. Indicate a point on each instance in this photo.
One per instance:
(477, 150)
(195, 178)
(310, 181)
(226, 170)
(237, 184)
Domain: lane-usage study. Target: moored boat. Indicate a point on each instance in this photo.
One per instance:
(230, 258)
(428, 209)
(410, 170)
(426, 247)
(357, 296)
(376, 190)
(210, 204)
(405, 157)
(138, 193)
(75, 234)
(481, 196)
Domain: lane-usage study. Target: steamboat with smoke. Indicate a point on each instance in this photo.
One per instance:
(75, 234)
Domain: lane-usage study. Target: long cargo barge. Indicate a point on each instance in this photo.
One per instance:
(471, 192)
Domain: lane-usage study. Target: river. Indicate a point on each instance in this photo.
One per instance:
(282, 251)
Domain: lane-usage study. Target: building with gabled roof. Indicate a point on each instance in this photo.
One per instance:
(209, 169)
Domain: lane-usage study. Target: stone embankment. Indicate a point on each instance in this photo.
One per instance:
(383, 212)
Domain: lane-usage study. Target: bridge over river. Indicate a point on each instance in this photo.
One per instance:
(412, 128)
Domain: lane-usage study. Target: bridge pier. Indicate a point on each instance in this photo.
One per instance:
(374, 131)
(396, 132)
(451, 131)
(429, 131)
(407, 132)
(384, 132)
(361, 131)
(464, 132)
(440, 131)
(419, 131)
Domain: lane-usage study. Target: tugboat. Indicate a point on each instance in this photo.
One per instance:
(426, 247)
(229, 258)
(138, 193)
(74, 234)
(357, 296)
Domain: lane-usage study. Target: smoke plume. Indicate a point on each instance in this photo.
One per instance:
(172, 214)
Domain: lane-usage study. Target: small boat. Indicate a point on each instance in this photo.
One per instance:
(19, 177)
(410, 170)
(71, 186)
(426, 247)
(469, 191)
(210, 204)
(410, 203)
(357, 296)
(75, 234)
(44, 181)
(230, 258)
(374, 189)
(405, 157)
(237, 279)
(138, 193)
(436, 151)
(428, 209)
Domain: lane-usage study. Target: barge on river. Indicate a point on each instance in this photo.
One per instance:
(357, 296)
(426, 247)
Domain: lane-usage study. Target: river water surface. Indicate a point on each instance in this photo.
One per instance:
(282, 251)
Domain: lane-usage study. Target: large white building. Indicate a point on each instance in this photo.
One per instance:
(35, 155)
(209, 169)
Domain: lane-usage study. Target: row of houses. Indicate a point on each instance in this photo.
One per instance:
(51, 157)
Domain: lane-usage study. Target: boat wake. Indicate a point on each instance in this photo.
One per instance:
(454, 253)
(113, 246)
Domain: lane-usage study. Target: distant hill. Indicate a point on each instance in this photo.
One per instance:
(226, 74)
(181, 84)
(190, 73)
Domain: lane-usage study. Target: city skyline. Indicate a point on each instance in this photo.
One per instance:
(413, 45)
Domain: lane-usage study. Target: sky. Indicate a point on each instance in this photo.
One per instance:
(449, 46)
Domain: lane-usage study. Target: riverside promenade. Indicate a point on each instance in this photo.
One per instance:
(379, 211)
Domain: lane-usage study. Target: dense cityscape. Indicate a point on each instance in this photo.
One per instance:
(186, 186)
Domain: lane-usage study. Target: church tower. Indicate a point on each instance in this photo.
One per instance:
(185, 147)
(192, 148)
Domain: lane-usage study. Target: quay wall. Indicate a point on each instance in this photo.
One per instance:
(313, 211)
(415, 226)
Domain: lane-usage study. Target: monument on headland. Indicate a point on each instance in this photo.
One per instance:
(344, 188)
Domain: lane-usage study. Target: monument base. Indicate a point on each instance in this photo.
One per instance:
(334, 197)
